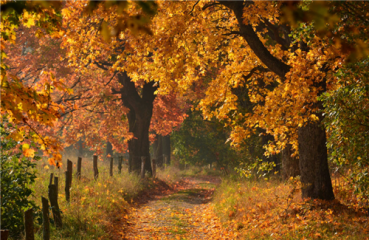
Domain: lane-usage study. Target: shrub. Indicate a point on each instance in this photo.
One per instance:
(17, 174)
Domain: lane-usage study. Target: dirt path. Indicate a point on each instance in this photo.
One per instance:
(185, 213)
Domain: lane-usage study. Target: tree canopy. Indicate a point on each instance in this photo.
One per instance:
(120, 71)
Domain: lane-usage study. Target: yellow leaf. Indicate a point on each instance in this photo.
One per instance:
(25, 146)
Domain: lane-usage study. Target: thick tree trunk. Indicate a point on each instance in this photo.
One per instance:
(139, 117)
(140, 145)
(290, 165)
(315, 177)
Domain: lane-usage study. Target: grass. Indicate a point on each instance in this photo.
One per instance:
(95, 205)
(254, 209)
(275, 210)
(171, 173)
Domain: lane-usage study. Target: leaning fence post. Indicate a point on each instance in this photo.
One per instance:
(55, 206)
(79, 168)
(143, 159)
(153, 166)
(45, 217)
(67, 187)
(56, 183)
(70, 171)
(28, 224)
(111, 166)
(120, 164)
(96, 171)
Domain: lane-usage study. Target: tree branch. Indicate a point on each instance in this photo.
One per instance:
(248, 33)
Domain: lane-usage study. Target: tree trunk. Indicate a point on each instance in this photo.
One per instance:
(154, 147)
(109, 150)
(139, 146)
(166, 147)
(159, 151)
(80, 148)
(290, 165)
(139, 117)
(315, 177)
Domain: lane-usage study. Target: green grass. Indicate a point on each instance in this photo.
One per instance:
(207, 185)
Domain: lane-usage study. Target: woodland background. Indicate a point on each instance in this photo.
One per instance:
(271, 96)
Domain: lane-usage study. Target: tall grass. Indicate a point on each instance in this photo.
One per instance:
(95, 205)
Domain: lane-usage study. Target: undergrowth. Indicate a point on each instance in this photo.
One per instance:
(95, 205)
(275, 210)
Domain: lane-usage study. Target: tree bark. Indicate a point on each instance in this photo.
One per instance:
(315, 178)
(159, 151)
(290, 165)
(139, 117)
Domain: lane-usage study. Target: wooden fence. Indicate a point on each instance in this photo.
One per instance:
(53, 195)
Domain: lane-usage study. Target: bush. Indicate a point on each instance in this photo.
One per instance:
(17, 174)
(346, 119)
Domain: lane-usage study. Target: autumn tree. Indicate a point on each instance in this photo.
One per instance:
(301, 71)
(247, 43)
(27, 83)
(125, 83)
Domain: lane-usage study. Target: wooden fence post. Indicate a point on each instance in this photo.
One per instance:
(79, 168)
(51, 178)
(28, 224)
(4, 234)
(143, 159)
(56, 183)
(55, 206)
(153, 166)
(67, 187)
(70, 171)
(96, 171)
(45, 219)
(120, 164)
(111, 166)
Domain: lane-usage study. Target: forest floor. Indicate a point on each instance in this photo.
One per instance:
(180, 211)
